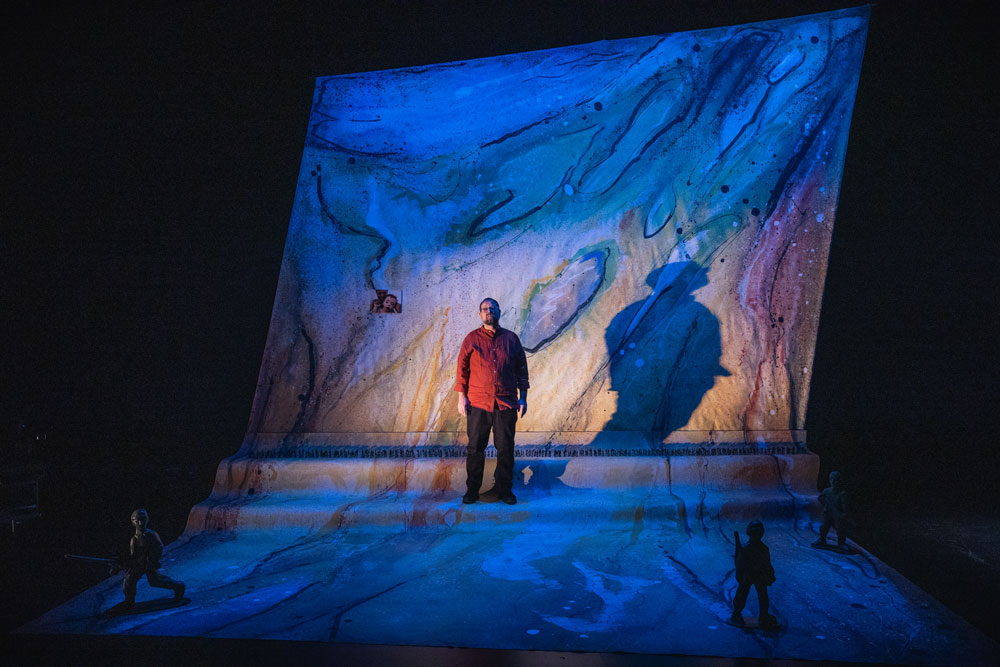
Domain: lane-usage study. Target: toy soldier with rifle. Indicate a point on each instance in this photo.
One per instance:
(753, 568)
(145, 549)
(833, 500)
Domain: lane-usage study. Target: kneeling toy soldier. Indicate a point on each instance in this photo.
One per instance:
(145, 550)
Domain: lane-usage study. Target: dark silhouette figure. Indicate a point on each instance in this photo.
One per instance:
(663, 353)
(753, 568)
(832, 498)
(145, 550)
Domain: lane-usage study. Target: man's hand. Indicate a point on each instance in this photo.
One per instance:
(523, 404)
(463, 405)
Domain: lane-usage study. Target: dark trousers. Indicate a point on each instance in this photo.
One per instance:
(740, 600)
(479, 422)
(838, 525)
(155, 579)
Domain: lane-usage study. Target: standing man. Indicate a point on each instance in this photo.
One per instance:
(492, 388)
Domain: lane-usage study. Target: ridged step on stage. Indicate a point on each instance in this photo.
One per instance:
(675, 491)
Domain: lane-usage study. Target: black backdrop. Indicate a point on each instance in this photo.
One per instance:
(150, 158)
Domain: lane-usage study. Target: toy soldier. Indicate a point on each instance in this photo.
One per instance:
(834, 514)
(145, 550)
(753, 568)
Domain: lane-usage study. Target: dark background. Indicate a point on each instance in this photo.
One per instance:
(150, 158)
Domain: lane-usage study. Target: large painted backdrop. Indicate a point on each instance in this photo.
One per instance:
(654, 216)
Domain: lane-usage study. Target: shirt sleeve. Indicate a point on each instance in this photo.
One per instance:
(462, 374)
(520, 365)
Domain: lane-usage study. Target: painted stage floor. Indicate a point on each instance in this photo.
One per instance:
(498, 577)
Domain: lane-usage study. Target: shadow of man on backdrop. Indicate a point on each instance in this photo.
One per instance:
(663, 354)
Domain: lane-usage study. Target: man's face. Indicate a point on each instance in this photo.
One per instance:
(139, 519)
(489, 312)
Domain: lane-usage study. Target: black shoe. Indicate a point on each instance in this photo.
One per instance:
(179, 592)
(508, 498)
(470, 497)
(490, 496)
(768, 621)
(736, 619)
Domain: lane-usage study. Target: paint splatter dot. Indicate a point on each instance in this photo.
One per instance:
(755, 211)
(746, 201)
(725, 188)
(814, 39)
(585, 636)
(567, 608)
(819, 217)
(631, 346)
(697, 47)
(532, 631)
(722, 260)
(713, 627)
(568, 189)
(773, 412)
(781, 319)
(639, 363)
(680, 230)
(598, 106)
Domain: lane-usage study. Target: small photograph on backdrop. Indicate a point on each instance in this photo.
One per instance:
(387, 301)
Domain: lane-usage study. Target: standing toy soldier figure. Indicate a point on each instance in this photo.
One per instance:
(145, 550)
(834, 514)
(753, 568)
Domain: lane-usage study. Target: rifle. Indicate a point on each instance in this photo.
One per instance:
(115, 564)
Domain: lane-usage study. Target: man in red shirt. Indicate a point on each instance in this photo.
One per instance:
(492, 388)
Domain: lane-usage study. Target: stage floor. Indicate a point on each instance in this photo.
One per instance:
(510, 581)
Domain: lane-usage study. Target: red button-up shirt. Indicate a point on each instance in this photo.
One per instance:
(491, 368)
